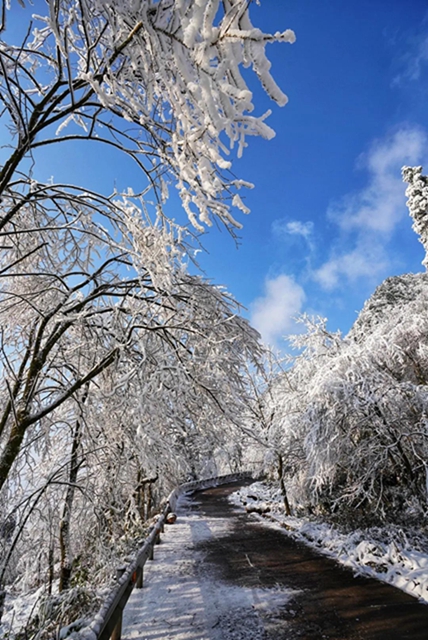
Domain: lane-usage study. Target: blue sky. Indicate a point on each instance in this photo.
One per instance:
(328, 219)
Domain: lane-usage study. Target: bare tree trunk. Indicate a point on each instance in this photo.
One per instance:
(12, 448)
(143, 494)
(139, 494)
(64, 525)
(23, 420)
(51, 562)
(2, 599)
(282, 485)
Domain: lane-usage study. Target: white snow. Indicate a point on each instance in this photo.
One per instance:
(183, 595)
(18, 609)
(368, 552)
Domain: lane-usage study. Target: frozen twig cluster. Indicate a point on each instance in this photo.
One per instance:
(157, 79)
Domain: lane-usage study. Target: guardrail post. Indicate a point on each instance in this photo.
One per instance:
(151, 554)
(117, 631)
(139, 581)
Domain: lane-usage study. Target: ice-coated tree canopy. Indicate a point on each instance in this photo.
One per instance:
(171, 69)
(121, 372)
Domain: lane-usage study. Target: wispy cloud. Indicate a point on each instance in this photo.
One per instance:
(284, 227)
(414, 62)
(367, 218)
(366, 260)
(273, 313)
(380, 205)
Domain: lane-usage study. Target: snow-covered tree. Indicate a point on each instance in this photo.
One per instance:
(120, 371)
(417, 202)
(350, 416)
(315, 348)
(117, 369)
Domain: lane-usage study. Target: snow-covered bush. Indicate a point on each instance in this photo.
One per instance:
(355, 410)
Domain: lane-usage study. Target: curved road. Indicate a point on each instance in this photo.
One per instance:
(220, 574)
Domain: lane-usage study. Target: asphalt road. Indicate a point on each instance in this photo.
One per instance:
(327, 601)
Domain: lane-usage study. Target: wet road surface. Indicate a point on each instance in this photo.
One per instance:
(221, 574)
(330, 603)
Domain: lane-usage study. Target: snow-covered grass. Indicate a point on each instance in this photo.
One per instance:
(18, 610)
(387, 553)
(39, 614)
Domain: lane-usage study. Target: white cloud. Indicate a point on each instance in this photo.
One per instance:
(366, 260)
(414, 62)
(283, 227)
(368, 218)
(381, 204)
(272, 314)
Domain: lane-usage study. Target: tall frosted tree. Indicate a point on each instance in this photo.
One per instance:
(95, 300)
(159, 81)
(417, 203)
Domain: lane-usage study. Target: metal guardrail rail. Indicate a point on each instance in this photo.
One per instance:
(107, 624)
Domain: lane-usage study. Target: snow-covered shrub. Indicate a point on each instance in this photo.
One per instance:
(350, 416)
(69, 611)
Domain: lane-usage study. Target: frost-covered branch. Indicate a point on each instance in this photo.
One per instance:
(170, 70)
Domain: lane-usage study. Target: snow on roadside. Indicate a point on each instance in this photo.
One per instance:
(384, 553)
